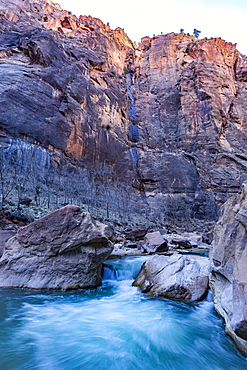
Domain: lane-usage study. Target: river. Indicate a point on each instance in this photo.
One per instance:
(113, 327)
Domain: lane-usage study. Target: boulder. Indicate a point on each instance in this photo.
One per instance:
(186, 241)
(135, 233)
(155, 242)
(175, 277)
(228, 256)
(182, 243)
(128, 249)
(63, 250)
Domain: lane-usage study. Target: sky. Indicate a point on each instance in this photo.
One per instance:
(214, 18)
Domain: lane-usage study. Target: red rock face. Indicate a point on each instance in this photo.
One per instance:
(190, 88)
(188, 102)
(72, 70)
(84, 91)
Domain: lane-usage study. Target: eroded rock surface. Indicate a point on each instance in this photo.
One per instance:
(190, 101)
(228, 256)
(175, 277)
(63, 250)
(168, 116)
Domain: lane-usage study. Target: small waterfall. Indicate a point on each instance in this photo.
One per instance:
(209, 297)
(109, 273)
(125, 269)
(112, 274)
(114, 327)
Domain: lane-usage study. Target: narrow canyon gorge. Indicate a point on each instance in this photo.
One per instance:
(165, 118)
(101, 138)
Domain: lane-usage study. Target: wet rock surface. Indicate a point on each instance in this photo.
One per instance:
(228, 256)
(175, 277)
(63, 250)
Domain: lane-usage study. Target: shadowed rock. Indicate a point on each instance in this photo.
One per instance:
(135, 233)
(63, 250)
(4, 237)
(228, 256)
(175, 277)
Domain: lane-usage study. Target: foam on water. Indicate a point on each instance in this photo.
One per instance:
(113, 327)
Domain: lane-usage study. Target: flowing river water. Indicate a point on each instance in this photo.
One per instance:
(113, 327)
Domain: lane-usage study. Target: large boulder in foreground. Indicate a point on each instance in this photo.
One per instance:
(63, 250)
(175, 277)
(228, 256)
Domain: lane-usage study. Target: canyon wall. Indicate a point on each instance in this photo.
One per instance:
(228, 278)
(166, 117)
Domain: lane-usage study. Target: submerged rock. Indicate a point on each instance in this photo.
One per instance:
(228, 257)
(175, 277)
(63, 250)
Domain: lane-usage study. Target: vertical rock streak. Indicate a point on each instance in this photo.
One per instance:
(25, 153)
(132, 109)
(134, 137)
(133, 129)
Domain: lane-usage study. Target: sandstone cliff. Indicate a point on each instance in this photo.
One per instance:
(166, 118)
(190, 106)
